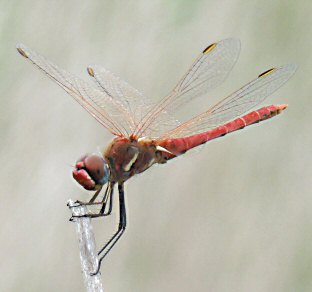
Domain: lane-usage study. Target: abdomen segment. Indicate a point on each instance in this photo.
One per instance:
(179, 146)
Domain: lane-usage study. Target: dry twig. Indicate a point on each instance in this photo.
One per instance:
(87, 247)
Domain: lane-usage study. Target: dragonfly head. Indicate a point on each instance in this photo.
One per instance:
(91, 171)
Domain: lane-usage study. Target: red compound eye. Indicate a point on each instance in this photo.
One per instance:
(94, 164)
(91, 171)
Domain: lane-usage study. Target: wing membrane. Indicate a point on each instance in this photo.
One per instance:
(208, 71)
(134, 101)
(107, 111)
(237, 103)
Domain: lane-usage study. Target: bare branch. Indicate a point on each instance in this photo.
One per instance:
(87, 247)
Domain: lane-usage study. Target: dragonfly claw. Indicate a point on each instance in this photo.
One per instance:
(73, 217)
(75, 204)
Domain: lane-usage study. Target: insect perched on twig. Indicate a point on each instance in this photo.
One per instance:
(147, 133)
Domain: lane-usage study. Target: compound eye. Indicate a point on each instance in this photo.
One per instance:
(94, 164)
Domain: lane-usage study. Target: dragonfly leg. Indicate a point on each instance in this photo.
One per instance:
(96, 194)
(110, 206)
(107, 196)
(91, 202)
(121, 228)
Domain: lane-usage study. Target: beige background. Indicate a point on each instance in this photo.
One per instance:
(233, 216)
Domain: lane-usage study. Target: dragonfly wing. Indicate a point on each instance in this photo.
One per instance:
(107, 111)
(208, 71)
(237, 103)
(132, 99)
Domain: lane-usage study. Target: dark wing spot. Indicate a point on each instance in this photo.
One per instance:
(267, 72)
(209, 48)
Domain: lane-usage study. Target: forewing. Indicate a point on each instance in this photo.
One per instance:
(133, 100)
(237, 103)
(208, 71)
(107, 111)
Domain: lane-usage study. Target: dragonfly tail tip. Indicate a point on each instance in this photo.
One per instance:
(283, 106)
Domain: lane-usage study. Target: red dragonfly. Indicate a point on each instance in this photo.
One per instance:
(147, 133)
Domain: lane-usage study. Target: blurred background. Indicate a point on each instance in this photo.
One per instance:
(232, 216)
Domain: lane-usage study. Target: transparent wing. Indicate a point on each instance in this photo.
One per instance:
(208, 71)
(107, 111)
(134, 101)
(237, 103)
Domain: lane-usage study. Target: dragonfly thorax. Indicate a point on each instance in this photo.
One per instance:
(127, 157)
(91, 171)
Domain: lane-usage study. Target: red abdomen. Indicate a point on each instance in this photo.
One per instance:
(181, 145)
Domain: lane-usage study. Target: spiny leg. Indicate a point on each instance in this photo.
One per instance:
(96, 194)
(110, 198)
(107, 196)
(91, 202)
(121, 228)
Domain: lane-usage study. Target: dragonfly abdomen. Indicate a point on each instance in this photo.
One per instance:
(179, 146)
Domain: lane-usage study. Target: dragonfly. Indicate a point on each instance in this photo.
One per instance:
(147, 133)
